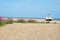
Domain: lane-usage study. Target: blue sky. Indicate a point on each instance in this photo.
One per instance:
(30, 8)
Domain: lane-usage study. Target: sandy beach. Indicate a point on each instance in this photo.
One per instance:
(30, 31)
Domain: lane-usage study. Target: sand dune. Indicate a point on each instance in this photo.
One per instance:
(28, 31)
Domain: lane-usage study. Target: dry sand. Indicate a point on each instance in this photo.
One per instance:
(28, 31)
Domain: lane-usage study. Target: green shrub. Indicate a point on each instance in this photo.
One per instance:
(9, 22)
(1, 23)
(47, 22)
(31, 21)
(42, 22)
(21, 21)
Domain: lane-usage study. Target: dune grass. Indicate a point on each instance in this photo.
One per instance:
(1, 23)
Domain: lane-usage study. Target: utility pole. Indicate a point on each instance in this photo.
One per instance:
(48, 15)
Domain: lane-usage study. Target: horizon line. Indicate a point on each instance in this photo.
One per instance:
(31, 17)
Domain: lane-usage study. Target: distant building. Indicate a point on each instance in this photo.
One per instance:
(49, 18)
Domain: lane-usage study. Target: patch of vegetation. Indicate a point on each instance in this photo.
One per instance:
(9, 22)
(21, 21)
(42, 22)
(31, 21)
(1, 23)
(47, 22)
(55, 22)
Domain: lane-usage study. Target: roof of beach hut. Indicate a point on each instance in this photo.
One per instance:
(49, 18)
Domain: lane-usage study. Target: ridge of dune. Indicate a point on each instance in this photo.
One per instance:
(28, 31)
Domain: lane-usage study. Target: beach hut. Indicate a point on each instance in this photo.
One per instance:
(49, 18)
